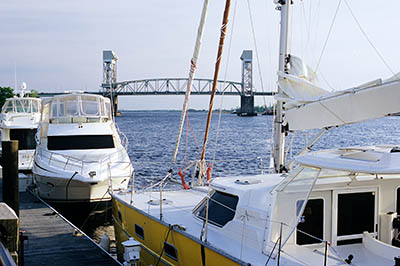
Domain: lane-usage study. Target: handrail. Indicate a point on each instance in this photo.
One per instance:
(123, 138)
(79, 165)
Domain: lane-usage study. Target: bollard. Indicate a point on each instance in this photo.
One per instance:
(10, 174)
(22, 239)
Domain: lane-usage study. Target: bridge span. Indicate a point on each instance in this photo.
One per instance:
(175, 86)
(168, 86)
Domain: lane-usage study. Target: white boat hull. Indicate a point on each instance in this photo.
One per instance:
(61, 189)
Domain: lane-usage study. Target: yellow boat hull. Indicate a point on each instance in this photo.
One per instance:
(190, 251)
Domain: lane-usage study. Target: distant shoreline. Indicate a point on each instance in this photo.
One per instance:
(161, 110)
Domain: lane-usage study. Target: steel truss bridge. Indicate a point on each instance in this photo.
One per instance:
(168, 86)
(175, 86)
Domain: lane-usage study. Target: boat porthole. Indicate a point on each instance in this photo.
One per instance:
(120, 216)
(139, 231)
(170, 251)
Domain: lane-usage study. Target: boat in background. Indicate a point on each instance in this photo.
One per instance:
(19, 120)
(79, 154)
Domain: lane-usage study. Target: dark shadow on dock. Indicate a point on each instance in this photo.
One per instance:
(52, 241)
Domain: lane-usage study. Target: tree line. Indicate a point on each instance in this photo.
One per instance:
(8, 92)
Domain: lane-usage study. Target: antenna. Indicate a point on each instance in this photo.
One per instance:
(23, 88)
(15, 75)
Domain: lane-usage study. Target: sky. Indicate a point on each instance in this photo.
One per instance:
(56, 46)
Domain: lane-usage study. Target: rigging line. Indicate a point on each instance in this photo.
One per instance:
(162, 251)
(193, 135)
(326, 81)
(307, 29)
(272, 148)
(269, 81)
(315, 20)
(93, 211)
(255, 47)
(268, 14)
(332, 112)
(327, 37)
(368, 39)
(314, 25)
(223, 92)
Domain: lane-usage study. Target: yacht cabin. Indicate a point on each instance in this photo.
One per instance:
(348, 198)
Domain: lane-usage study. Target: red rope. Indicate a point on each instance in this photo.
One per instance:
(185, 186)
(209, 169)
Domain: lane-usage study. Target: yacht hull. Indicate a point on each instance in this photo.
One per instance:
(70, 190)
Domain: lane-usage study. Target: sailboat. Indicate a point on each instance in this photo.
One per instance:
(336, 207)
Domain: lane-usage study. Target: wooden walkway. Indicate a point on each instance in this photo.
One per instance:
(51, 240)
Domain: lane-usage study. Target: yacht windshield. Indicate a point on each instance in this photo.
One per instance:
(24, 105)
(80, 142)
(80, 106)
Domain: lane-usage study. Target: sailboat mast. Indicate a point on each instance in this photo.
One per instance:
(215, 81)
(279, 136)
(193, 66)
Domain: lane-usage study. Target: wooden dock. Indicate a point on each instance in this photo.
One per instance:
(52, 240)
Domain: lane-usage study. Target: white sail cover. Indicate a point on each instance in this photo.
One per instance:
(299, 85)
(308, 106)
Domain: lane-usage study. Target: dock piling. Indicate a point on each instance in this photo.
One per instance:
(10, 174)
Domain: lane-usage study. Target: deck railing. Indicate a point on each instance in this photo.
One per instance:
(100, 168)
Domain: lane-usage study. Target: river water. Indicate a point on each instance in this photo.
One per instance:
(244, 145)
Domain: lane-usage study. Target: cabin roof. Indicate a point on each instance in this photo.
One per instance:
(242, 184)
(380, 159)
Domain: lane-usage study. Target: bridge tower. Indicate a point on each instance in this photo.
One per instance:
(110, 78)
(247, 95)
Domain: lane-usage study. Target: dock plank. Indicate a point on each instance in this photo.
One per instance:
(51, 240)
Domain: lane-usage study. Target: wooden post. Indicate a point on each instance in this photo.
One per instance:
(10, 174)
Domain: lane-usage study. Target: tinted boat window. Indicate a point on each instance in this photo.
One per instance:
(25, 137)
(84, 142)
(221, 209)
(398, 201)
(356, 213)
(311, 226)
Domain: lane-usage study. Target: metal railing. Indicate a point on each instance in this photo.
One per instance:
(99, 168)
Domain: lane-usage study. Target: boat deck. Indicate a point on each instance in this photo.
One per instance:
(51, 240)
(177, 210)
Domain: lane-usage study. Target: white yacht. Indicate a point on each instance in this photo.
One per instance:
(79, 152)
(20, 118)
